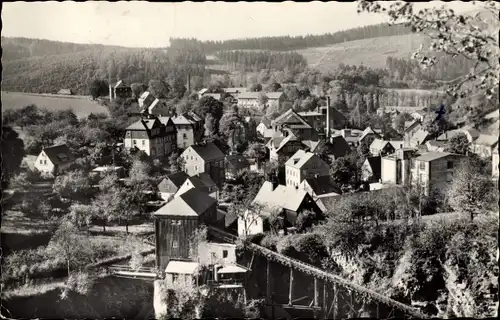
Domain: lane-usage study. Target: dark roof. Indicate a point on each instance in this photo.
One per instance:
(266, 122)
(322, 185)
(375, 164)
(208, 151)
(205, 179)
(197, 200)
(59, 154)
(338, 146)
(178, 178)
(237, 161)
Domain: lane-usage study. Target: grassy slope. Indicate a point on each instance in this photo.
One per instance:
(371, 52)
(81, 106)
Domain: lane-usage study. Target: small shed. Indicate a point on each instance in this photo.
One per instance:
(67, 92)
(182, 271)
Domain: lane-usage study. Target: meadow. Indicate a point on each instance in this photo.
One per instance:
(82, 106)
(371, 52)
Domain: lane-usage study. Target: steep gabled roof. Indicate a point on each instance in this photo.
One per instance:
(431, 156)
(120, 84)
(142, 124)
(205, 179)
(420, 136)
(366, 132)
(191, 203)
(290, 137)
(282, 197)
(59, 154)
(378, 144)
(338, 146)
(282, 119)
(299, 159)
(486, 140)
(274, 95)
(208, 151)
(322, 185)
(177, 178)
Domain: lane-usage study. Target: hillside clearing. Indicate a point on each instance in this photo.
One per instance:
(82, 106)
(371, 52)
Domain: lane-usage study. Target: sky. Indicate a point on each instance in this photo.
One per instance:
(145, 24)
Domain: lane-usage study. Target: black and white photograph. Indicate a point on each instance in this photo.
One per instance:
(250, 160)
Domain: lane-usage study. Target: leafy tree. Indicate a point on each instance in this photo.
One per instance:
(256, 87)
(80, 215)
(158, 88)
(68, 244)
(305, 220)
(346, 171)
(20, 182)
(257, 151)
(209, 105)
(176, 162)
(138, 89)
(456, 35)
(262, 98)
(105, 206)
(400, 121)
(273, 87)
(139, 171)
(459, 144)
(234, 128)
(12, 154)
(74, 185)
(98, 88)
(470, 192)
(29, 115)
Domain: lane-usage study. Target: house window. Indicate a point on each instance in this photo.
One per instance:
(41, 161)
(421, 178)
(224, 253)
(422, 165)
(135, 142)
(449, 165)
(143, 142)
(195, 168)
(184, 135)
(175, 244)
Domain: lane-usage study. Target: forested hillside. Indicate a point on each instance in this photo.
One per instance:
(258, 60)
(48, 74)
(19, 48)
(285, 43)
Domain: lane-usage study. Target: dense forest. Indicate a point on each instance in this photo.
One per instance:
(285, 43)
(258, 60)
(20, 48)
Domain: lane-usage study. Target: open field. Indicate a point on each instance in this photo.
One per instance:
(82, 106)
(371, 52)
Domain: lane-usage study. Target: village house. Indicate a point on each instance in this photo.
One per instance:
(494, 164)
(381, 147)
(411, 127)
(316, 119)
(53, 160)
(337, 147)
(351, 136)
(189, 129)
(119, 91)
(151, 136)
(227, 273)
(419, 115)
(169, 186)
(265, 129)
(275, 99)
(286, 202)
(395, 169)
(367, 136)
(235, 163)
(201, 92)
(282, 148)
(147, 102)
(471, 134)
(185, 272)
(177, 221)
(235, 92)
(484, 144)
(320, 189)
(293, 121)
(202, 182)
(371, 169)
(101, 171)
(434, 170)
(205, 157)
(304, 165)
(419, 138)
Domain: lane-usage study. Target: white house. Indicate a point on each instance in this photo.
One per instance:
(52, 160)
(181, 271)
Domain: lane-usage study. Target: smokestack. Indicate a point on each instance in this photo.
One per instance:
(110, 93)
(328, 116)
(188, 83)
